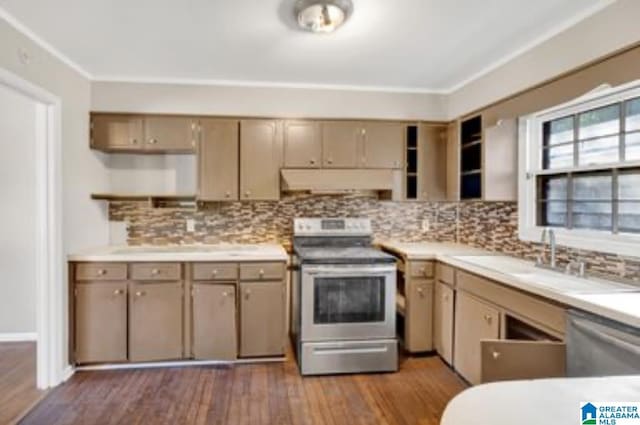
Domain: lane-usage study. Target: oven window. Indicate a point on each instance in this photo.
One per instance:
(348, 300)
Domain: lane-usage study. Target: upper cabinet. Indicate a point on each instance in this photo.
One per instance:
(501, 161)
(341, 143)
(302, 144)
(143, 134)
(382, 145)
(218, 160)
(260, 159)
(432, 157)
(117, 132)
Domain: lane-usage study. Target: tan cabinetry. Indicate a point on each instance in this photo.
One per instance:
(260, 159)
(474, 321)
(100, 322)
(382, 145)
(443, 307)
(218, 160)
(262, 318)
(214, 321)
(149, 133)
(302, 144)
(432, 160)
(341, 143)
(155, 321)
(113, 132)
(170, 134)
(419, 316)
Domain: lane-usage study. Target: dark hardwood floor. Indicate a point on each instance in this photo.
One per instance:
(272, 393)
(18, 390)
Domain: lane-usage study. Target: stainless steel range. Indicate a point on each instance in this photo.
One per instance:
(343, 293)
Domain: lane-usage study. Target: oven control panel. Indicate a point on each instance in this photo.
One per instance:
(332, 227)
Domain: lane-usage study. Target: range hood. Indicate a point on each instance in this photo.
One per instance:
(340, 181)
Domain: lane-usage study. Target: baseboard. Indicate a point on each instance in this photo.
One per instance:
(18, 337)
(68, 373)
(181, 363)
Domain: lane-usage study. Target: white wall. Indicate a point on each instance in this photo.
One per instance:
(17, 215)
(611, 29)
(152, 174)
(266, 102)
(84, 221)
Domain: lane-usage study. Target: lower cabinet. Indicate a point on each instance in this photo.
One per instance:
(100, 322)
(214, 321)
(419, 316)
(474, 321)
(443, 321)
(155, 321)
(262, 318)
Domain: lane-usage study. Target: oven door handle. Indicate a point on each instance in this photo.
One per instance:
(349, 271)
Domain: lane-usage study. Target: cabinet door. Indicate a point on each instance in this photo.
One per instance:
(101, 322)
(214, 321)
(260, 159)
(453, 162)
(302, 146)
(117, 132)
(172, 134)
(443, 321)
(419, 316)
(262, 319)
(218, 160)
(500, 156)
(340, 144)
(155, 321)
(383, 145)
(508, 360)
(474, 321)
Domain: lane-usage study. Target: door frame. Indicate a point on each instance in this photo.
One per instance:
(49, 259)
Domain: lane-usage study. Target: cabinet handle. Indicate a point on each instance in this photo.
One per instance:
(495, 355)
(488, 318)
(153, 141)
(140, 294)
(329, 161)
(246, 294)
(102, 272)
(421, 292)
(227, 194)
(225, 294)
(261, 272)
(214, 272)
(134, 141)
(312, 161)
(118, 292)
(445, 297)
(247, 193)
(155, 272)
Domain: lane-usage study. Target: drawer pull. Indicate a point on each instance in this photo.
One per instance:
(214, 272)
(153, 141)
(261, 272)
(118, 292)
(421, 292)
(225, 294)
(488, 318)
(247, 293)
(155, 272)
(102, 272)
(140, 294)
(495, 355)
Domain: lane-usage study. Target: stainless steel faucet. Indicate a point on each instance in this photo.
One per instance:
(552, 246)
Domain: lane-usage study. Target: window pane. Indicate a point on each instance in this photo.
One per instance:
(599, 122)
(558, 157)
(552, 213)
(553, 187)
(629, 217)
(592, 187)
(558, 131)
(632, 147)
(629, 186)
(592, 215)
(599, 151)
(633, 115)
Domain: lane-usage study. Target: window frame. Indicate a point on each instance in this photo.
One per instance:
(530, 166)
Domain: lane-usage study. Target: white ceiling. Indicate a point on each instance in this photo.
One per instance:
(413, 45)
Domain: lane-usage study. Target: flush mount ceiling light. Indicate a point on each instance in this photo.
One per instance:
(322, 16)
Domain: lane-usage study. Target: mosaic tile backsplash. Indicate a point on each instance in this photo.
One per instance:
(489, 225)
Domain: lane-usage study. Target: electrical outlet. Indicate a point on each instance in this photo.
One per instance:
(191, 225)
(426, 225)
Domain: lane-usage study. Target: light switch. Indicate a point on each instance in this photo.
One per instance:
(426, 225)
(191, 225)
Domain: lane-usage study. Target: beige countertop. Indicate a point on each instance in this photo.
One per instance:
(539, 401)
(184, 253)
(614, 300)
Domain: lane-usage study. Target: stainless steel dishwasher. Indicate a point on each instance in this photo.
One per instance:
(597, 346)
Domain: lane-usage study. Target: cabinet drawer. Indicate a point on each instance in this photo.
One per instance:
(421, 269)
(215, 271)
(101, 271)
(507, 359)
(155, 271)
(528, 306)
(445, 274)
(262, 271)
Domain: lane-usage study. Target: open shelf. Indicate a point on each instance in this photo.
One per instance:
(471, 158)
(154, 200)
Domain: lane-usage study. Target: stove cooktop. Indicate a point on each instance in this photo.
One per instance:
(342, 255)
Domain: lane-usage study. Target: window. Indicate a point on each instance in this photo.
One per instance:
(581, 172)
